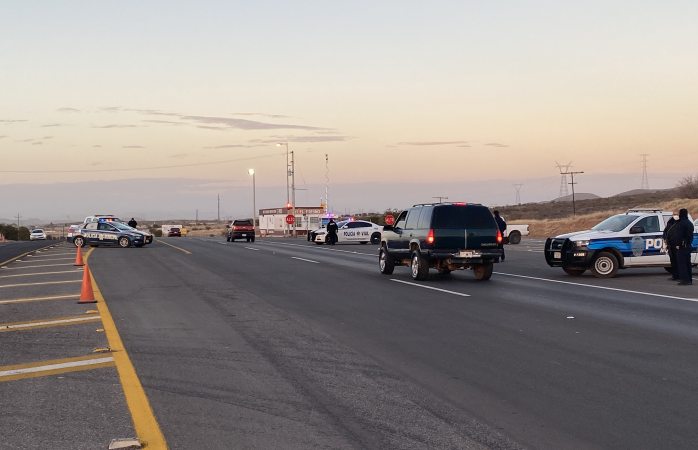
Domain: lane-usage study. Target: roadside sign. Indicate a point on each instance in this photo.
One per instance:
(290, 219)
(389, 219)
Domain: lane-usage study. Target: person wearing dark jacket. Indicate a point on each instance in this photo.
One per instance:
(502, 225)
(684, 246)
(670, 249)
(332, 232)
(132, 223)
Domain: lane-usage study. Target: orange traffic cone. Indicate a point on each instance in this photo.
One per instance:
(78, 258)
(87, 295)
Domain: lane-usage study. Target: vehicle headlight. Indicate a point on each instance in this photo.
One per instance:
(581, 243)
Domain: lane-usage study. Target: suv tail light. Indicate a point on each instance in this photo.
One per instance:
(499, 237)
(430, 237)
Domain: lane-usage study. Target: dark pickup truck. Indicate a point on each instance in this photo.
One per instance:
(241, 229)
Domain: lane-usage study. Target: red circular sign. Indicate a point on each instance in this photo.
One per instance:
(389, 219)
(290, 219)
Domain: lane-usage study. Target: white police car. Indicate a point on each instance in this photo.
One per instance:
(360, 231)
(633, 239)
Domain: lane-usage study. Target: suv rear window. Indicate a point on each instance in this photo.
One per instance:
(455, 217)
(242, 222)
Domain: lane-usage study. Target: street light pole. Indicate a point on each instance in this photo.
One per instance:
(288, 199)
(254, 201)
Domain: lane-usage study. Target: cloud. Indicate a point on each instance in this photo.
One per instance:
(110, 108)
(96, 163)
(47, 137)
(3, 137)
(115, 125)
(299, 139)
(496, 144)
(68, 110)
(96, 146)
(37, 143)
(132, 146)
(429, 143)
(12, 120)
(179, 155)
(52, 125)
(164, 122)
(244, 124)
(205, 127)
(217, 147)
(153, 112)
(270, 116)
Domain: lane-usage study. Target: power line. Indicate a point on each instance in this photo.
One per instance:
(211, 163)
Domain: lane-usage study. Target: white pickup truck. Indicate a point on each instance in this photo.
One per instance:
(513, 233)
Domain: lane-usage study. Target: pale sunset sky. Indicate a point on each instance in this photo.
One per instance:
(153, 108)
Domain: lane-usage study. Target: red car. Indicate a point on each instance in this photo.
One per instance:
(176, 232)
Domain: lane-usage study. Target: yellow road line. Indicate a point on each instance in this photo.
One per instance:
(53, 367)
(38, 299)
(40, 273)
(174, 246)
(46, 323)
(38, 284)
(144, 421)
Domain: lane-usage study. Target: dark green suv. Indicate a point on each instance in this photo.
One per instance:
(443, 236)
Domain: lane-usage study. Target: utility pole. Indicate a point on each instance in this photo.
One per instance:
(572, 174)
(441, 198)
(644, 184)
(518, 193)
(327, 184)
(219, 207)
(197, 217)
(18, 217)
(293, 191)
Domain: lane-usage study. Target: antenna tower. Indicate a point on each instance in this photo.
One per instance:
(518, 193)
(644, 184)
(564, 169)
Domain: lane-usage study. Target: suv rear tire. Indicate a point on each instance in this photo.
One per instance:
(386, 263)
(483, 271)
(419, 266)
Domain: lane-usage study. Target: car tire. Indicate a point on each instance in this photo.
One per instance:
(514, 237)
(124, 242)
(573, 272)
(605, 265)
(363, 242)
(227, 238)
(376, 238)
(79, 241)
(419, 266)
(252, 239)
(483, 272)
(386, 263)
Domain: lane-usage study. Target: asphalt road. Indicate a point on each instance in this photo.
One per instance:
(285, 344)
(11, 249)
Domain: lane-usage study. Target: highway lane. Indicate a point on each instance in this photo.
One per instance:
(12, 249)
(278, 342)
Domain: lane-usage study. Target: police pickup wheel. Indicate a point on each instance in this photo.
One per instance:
(386, 264)
(605, 265)
(124, 242)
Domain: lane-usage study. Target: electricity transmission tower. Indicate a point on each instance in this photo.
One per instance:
(564, 169)
(644, 184)
(518, 193)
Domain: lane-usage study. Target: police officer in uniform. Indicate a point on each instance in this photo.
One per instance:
(332, 231)
(132, 223)
(502, 225)
(671, 249)
(684, 246)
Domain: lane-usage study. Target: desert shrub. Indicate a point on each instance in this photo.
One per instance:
(687, 187)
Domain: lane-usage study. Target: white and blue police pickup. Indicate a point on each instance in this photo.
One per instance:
(106, 233)
(361, 231)
(633, 239)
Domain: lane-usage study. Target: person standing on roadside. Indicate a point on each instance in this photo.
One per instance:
(132, 223)
(684, 246)
(332, 231)
(502, 225)
(671, 249)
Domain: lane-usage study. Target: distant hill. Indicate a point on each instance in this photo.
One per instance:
(639, 192)
(577, 196)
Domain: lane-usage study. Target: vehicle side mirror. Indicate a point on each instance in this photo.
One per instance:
(637, 229)
(387, 228)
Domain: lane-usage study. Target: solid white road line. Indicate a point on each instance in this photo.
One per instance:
(430, 287)
(51, 254)
(40, 260)
(38, 299)
(86, 362)
(324, 249)
(252, 248)
(19, 326)
(38, 284)
(687, 299)
(306, 260)
(35, 266)
(40, 273)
